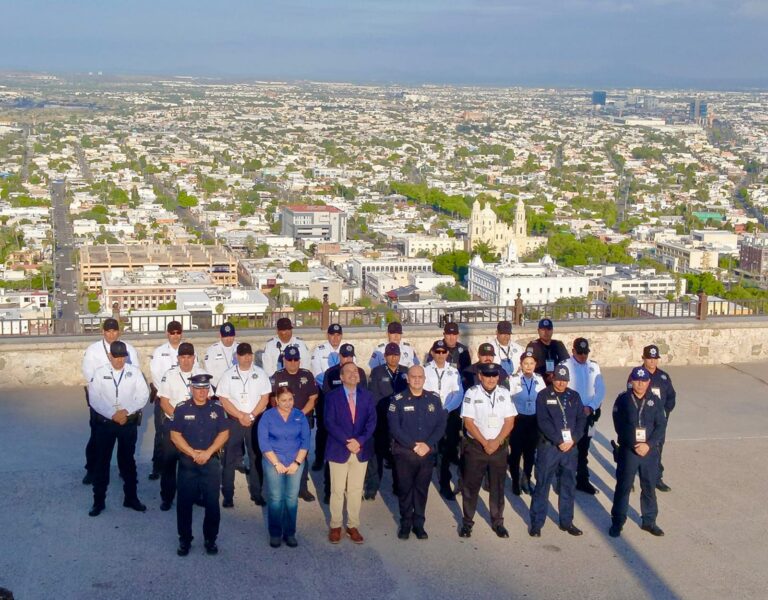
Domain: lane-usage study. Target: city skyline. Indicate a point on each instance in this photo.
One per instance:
(656, 44)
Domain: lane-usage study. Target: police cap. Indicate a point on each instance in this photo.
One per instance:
(118, 349)
(243, 349)
(292, 353)
(200, 381)
(395, 327)
(334, 328)
(186, 349)
(640, 374)
(504, 327)
(392, 349)
(651, 351)
(581, 345)
(284, 323)
(451, 328)
(561, 373)
(489, 369)
(546, 324)
(227, 330)
(110, 325)
(486, 350)
(347, 350)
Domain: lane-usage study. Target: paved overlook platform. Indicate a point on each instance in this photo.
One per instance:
(715, 519)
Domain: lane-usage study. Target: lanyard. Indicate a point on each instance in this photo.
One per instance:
(230, 359)
(528, 388)
(439, 379)
(117, 384)
(184, 381)
(562, 410)
(244, 380)
(640, 410)
(392, 376)
(505, 351)
(491, 397)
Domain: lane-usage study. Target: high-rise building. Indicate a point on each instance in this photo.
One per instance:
(697, 111)
(598, 98)
(320, 222)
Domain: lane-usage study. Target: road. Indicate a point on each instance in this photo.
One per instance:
(66, 308)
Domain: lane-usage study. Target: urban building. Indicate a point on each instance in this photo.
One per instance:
(683, 257)
(359, 268)
(326, 223)
(432, 244)
(149, 287)
(485, 227)
(753, 254)
(599, 98)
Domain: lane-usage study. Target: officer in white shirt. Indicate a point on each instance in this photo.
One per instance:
(97, 355)
(408, 356)
(174, 389)
(507, 352)
(444, 380)
(244, 393)
(272, 359)
(163, 358)
(524, 386)
(489, 416)
(588, 381)
(117, 393)
(326, 355)
(220, 356)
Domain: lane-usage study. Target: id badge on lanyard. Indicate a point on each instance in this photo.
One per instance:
(550, 365)
(566, 433)
(640, 435)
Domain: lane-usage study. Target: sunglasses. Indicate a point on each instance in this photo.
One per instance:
(440, 352)
(494, 375)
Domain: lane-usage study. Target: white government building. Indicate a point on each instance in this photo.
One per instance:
(538, 283)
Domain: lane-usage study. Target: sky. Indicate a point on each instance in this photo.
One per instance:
(715, 44)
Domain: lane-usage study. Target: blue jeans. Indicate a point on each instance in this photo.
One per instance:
(282, 500)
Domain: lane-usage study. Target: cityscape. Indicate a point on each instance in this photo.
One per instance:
(152, 199)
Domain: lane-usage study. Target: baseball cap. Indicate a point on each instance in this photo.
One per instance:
(243, 349)
(347, 350)
(392, 349)
(439, 345)
(581, 345)
(651, 351)
(284, 323)
(227, 330)
(489, 369)
(451, 328)
(118, 349)
(640, 374)
(504, 327)
(174, 327)
(486, 350)
(201, 380)
(395, 327)
(546, 324)
(527, 354)
(110, 324)
(334, 328)
(186, 349)
(292, 353)
(561, 373)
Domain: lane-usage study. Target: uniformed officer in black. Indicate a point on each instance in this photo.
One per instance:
(458, 353)
(331, 381)
(305, 391)
(386, 380)
(661, 386)
(640, 423)
(547, 352)
(561, 421)
(199, 430)
(486, 354)
(416, 424)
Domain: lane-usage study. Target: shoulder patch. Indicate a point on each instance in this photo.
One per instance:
(398, 396)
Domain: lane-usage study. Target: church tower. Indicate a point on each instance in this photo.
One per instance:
(521, 226)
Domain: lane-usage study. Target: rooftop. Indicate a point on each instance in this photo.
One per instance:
(715, 524)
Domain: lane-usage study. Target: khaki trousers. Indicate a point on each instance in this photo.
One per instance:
(347, 477)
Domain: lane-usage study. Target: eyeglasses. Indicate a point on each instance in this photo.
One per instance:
(291, 359)
(174, 333)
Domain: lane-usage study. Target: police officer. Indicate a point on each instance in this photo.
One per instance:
(661, 386)
(272, 359)
(244, 393)
(408, 356)
(444, 380)
(163, 358)
(507, 353)
(174, 389)
(302, 383)
(386, 380)
(117, 392)
(199, 430)
(416, 423)
(548, 352)
(331, 381)
(588, 381)
(458, 353)
(640, 423)
(220, 355)
(561, 420)
(326, 355)
(97, 355)
(486, 354)
(489, 416)
(524, 386)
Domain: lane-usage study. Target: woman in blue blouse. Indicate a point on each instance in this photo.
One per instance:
(284, 442)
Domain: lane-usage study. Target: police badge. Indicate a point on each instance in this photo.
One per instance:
(214, 415)
(431, 408)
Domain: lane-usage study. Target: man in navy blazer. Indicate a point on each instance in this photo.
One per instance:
(350, 419)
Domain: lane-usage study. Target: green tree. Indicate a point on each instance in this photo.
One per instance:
(453, 293)
(308, 304)
(486, 252)
(452, 263)
(185, 200)
(298, 266)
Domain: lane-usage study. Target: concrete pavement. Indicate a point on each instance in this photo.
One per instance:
(715, 520)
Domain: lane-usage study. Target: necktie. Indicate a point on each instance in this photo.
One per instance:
(352, 406)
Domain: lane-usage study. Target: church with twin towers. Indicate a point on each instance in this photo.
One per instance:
(485, 226)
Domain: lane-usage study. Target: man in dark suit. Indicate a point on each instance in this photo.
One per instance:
(350, 419)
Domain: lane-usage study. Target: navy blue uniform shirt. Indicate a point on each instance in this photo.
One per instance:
(555, 352)
(627, 417)
(416, 419)
(332, 378)
(199, 425)
(383, 383)
(550, 407)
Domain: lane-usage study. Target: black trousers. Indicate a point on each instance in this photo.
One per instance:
(627, 465)
(158, 416)
(195, 481)
(321, 435)
(475, 463)
(170, 461)
(89, 445)
(582, 472)
(522, 444)
(448, 447)
(661, 451)
(233, 456)
(105, 434)
(382, 447)
(414, 475)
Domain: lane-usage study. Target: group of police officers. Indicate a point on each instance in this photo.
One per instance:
(537, 404)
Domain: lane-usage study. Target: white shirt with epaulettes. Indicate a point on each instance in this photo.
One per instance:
(446, 383)
(488, 409)
(97, 355)
(110, 391)
(274, 347)
(175, 386)
(508, 356)
(219, 358)
(244, 389)
(524, 391)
